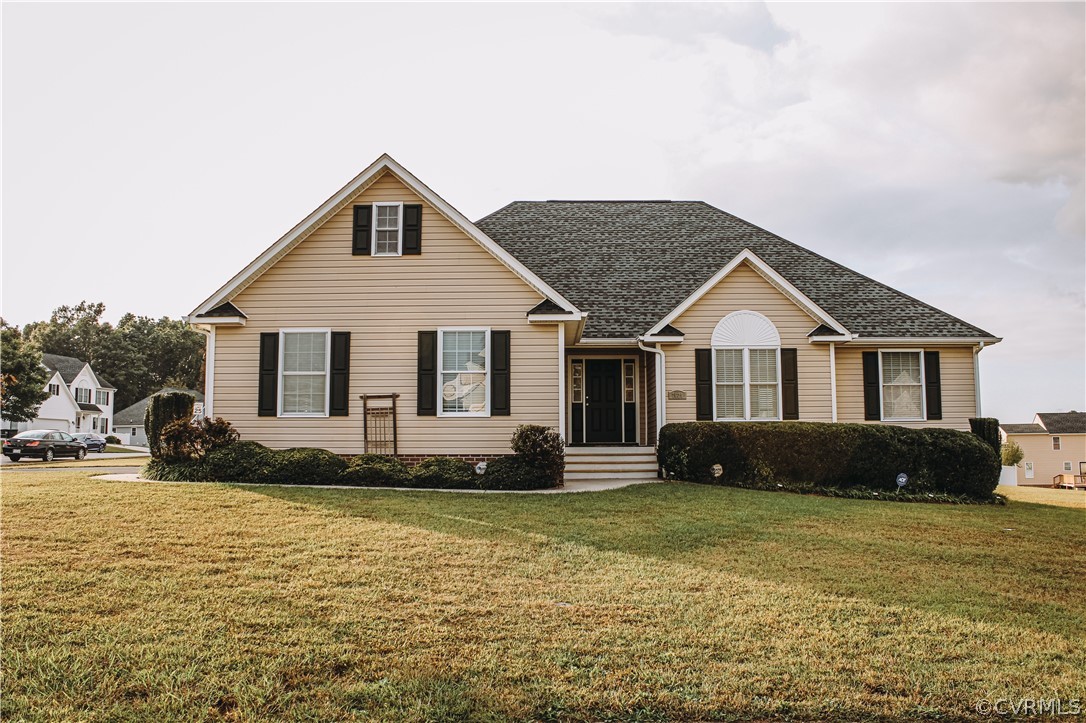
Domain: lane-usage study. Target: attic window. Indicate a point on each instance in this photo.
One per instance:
(387, 229)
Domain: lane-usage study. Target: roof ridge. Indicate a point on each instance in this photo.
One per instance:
(850, 270)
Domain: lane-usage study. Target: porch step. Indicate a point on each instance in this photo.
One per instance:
(599, 463)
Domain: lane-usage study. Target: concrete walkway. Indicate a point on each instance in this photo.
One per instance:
(577, 486)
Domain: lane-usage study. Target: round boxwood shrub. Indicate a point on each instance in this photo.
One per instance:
(515, 473)
(375, 470)
(542, 448)
(242, 461)
(443, 473)
(304, 466)
(805, 455)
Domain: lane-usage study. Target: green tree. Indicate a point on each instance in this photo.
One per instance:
(22, 376)
(138, 356)
(1012, 453)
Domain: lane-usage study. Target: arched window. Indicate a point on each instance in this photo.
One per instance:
(746, 368)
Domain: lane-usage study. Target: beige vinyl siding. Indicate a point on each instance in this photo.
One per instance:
(1047, 463)
(745, 288)
(384, 302)
(955, 375)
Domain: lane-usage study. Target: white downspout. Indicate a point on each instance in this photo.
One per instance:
(209, 368)
(976, 374)
(661, 384)
(562, 381)
(833, 383)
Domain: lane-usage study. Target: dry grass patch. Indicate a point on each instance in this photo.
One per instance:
(134, 602)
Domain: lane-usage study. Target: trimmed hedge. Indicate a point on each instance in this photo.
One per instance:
(808, 455)
(305, 466)
(443, 473)
(541, 448)
(163, 408)
(375, 470)
(987, 428)
(243, 461)
(515, 473)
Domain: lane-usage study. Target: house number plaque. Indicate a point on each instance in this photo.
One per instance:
(676, 395)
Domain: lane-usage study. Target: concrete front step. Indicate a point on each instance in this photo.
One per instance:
(639, 468)
(609, 476)
(609, 450)
(649, 459)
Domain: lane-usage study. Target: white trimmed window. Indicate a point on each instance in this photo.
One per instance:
(303, 363)
(746, 368)
(54, 390)
(387, 229)
(101, 397)
(1067, 467)
(1055, 444)
(82, 395)
(902, 375)
(464, 379)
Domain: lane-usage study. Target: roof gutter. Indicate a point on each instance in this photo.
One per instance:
(661, 383)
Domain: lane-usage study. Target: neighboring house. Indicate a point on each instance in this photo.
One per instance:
(604, 320)
(1054, 444)
(128, 423)
(79, 401)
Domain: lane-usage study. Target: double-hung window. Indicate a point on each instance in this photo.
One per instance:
(54, 389)
(463, 358)
(747, 383)
(1055, 444)
(387, 229)
(304, 377)
(82, 395)
(101, 397)
(902, 374)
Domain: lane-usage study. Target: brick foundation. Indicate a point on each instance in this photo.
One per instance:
(413, 459)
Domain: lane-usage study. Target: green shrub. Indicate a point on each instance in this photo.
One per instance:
(242, 461)
(182, 471)
(514, 473)
(1012, 454)
(162, 409)
(443, 473)
(185, 440)
(304, 466)
(110, 439)
(375, 470)
(542, 448)
(802, 455)
(987, 428)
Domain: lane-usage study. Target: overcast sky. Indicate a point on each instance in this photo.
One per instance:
(151, 151)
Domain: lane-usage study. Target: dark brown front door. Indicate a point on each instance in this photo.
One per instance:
(603, 401)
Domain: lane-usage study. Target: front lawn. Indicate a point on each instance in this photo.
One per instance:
(130, 601)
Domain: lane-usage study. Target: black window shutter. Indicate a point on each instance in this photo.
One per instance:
(789, 384)
(872, 402)
(703, 382)
(360, 237)
(933, 390)
(268, 394)
(427, 391)
(412, 228)
(499, 373)
(338, 399)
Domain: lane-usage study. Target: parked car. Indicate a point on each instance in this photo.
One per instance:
(94, 442)
(43, 443)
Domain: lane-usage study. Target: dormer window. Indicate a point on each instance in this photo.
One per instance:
(387, 229)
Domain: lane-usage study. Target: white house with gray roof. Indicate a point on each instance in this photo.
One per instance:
(79, 400)
(602, 319)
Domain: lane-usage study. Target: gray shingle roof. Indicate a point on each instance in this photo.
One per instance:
(133, 416)
(629, 263)
(89, 407)
(69, 368)
(1064, 422)
(1023, 429)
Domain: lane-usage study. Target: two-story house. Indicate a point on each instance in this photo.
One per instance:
(601, 319)
(78, 401)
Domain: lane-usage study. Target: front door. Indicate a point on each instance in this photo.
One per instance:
(603, 401)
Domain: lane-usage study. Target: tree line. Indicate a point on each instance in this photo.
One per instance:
(138, 356)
